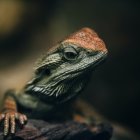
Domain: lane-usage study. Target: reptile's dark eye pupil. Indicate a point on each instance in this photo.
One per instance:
(70, 55)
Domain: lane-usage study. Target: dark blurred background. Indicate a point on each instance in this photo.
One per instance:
(30, 27)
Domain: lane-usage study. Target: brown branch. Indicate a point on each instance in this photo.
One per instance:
(69, 130)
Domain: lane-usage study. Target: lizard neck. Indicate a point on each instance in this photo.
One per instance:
(37, 109)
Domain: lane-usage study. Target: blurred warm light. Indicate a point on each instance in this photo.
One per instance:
(10, 15)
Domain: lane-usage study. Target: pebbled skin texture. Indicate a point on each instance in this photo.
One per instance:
(59, 77)
(88, 39)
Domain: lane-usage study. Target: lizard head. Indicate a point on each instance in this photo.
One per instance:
(63, 72)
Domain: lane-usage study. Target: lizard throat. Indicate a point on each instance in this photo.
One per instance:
(57, 92)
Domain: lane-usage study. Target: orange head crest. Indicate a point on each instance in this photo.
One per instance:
(88, 39)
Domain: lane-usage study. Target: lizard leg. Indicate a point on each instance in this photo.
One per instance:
(10, 115)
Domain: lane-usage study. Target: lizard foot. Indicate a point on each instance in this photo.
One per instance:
(9, 119)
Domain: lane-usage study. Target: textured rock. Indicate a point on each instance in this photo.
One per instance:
(69, 130)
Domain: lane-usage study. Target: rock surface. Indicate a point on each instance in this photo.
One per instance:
(69, 130)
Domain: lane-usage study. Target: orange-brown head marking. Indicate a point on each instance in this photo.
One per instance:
(88, 39)
(64, 71)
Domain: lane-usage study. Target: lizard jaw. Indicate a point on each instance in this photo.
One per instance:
(54, 95)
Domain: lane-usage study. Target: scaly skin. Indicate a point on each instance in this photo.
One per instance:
(9, 114)
(59, 77)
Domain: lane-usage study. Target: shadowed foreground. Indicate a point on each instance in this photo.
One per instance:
(70, 130)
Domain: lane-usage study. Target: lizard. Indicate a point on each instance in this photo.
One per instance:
(59, 77)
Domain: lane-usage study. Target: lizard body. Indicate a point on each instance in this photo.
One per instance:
(59, 78)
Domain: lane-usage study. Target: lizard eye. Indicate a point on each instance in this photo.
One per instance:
(70, 53)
